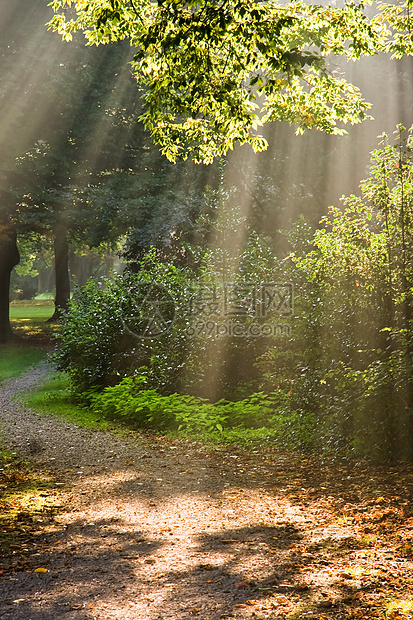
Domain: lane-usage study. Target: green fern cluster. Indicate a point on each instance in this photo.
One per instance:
(148, 409)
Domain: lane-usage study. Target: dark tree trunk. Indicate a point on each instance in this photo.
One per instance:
(61, 260)
(9, 257)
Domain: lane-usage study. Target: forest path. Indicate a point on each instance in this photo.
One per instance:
(153, 528)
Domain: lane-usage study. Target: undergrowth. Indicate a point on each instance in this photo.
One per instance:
(128, 405)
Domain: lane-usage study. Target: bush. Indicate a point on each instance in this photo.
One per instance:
(109, 332)
(107, 335)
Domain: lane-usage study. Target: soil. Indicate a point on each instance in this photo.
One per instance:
(151, 528)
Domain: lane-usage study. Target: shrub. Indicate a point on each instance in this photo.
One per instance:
(147, 408)
(103, 337)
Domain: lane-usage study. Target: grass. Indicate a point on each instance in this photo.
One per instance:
(54, 397)
(28, 319)
(34, 313)
(14, 360)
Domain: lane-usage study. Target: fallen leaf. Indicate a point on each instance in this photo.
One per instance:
(281, 600)
(242, 584)
(40, 570)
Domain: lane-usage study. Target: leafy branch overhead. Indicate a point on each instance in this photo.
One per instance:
(216, 70)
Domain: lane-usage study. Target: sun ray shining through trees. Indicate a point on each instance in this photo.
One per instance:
(230, 401)
(82, 172)
(75, 131)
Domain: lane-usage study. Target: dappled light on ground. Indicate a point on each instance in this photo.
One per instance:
(154, 528)
(190, 534)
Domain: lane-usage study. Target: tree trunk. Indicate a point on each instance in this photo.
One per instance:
(9, 257)
(109, 262)
(61, 261)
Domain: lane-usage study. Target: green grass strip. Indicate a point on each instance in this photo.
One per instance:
(54, 397)
(15, 360)
(31, 312)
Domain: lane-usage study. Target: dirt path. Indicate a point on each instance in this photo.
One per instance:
(159, 529)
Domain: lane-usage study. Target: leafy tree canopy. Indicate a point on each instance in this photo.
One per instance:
(216, 70)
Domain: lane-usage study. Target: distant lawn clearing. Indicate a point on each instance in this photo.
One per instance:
(31, 310)
(29, 318)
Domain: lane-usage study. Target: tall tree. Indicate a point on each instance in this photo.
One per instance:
(55, 143)
(81, 164)
(9, 257)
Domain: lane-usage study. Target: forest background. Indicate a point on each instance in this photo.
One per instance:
(85, 184)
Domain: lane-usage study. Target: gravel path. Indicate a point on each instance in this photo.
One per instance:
(152, 528)
(53, 443)
(160, 529)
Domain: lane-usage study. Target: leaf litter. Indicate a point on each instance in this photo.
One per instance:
(287, 537)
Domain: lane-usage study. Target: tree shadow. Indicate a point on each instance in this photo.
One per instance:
(229, 572)
(109, 560)
(235, 572)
